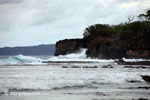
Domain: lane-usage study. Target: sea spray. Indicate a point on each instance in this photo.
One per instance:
(20, 59)
(23, 60)
(79, 56)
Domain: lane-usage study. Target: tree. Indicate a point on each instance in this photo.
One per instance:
(130, 19)
(145, 16)
(142, 17)
(98, 30)
(148, 15)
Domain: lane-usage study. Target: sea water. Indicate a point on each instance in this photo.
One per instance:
(27, 78)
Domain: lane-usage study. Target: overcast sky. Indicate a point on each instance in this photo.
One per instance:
(33, 22)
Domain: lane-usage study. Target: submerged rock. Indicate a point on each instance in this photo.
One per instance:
(65, 67)
(143, 67)
(75, 67)
(108, 66)
(89, 66)
(120, 62)
(128, 67)
(146, 78)
(133, 81)
(143, 87)
(137, 67)
(141, 99)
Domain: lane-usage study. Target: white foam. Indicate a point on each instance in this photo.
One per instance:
(20, 59)
(80, 56)
(135, 60)
(26, 58)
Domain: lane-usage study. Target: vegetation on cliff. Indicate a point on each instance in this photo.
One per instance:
(126, 30)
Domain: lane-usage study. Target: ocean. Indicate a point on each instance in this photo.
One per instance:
(70, 77)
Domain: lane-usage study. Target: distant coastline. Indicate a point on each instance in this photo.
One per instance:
(48, 49)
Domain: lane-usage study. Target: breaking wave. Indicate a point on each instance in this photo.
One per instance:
(20, 59)
(77, 57)
(80, 56)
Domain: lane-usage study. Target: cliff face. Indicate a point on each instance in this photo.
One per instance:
(139, 47)
(104, 47)
(69, 46)
(107, 47)
(111, 42)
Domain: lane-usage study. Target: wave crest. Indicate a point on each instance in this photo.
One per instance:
(20, 59)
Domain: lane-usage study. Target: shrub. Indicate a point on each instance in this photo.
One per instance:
(98, 30)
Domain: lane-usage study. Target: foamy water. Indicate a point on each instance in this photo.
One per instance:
(28, 74)
(21, 59)
(97, 83)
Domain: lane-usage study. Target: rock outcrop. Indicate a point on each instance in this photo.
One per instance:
(146, 78)
(139, 47)
(104, 47)
(69, 46)
(100, 44)
(107, 47)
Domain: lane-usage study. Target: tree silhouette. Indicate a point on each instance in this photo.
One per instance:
(148, 15)
(145, 16)
(130, 19)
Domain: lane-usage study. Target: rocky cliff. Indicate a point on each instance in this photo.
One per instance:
(104, 47)
(107, 47)
(139, 47)
(100, 44)
(69, 46)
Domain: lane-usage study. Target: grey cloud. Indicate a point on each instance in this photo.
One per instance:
(10, 1)
(62, 10)
(123, 1)
(60, 16)
(58, 10)
(39, 12)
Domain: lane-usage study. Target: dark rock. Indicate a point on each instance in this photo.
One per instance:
(133, 81)
(107, 66)
(139, 43)
(104, 46)
(143, 99)
(121, 60)
(69, 46)
(100, 94)
(95, 67)
(64, 67)
(128, 67)
(75, 67)
(143, 67)
(139, 53)
(3, 93)
(133, 63)
(138, 88)
(89, 67)
(146, 78)
(143, 87)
